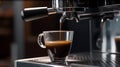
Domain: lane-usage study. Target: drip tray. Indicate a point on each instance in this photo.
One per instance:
(76, 60)
(97, 59)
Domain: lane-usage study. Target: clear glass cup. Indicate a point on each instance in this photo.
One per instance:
(57, 43)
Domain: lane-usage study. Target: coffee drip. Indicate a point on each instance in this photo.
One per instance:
(82, 16)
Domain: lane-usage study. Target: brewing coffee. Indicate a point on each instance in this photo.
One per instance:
(58, 48)
(57, 43)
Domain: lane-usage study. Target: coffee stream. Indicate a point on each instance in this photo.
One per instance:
(60, 34)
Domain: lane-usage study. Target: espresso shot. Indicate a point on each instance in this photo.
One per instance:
(58, 44)
(58, 48)
(117, 44)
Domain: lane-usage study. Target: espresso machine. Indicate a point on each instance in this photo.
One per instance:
(85, 17)
(90, 20)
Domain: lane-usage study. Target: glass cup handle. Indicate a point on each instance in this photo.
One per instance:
(39, 40)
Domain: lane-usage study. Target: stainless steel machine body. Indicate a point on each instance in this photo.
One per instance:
(90, 20)
(79, 14)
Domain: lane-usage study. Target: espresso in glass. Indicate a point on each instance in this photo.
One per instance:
(117, 43)
(57, 43)
(59, 49)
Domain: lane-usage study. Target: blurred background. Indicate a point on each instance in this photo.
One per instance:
(18, 39)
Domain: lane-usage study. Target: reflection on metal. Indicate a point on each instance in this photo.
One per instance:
(83, 59)
(110, 29)
(113, 58)
(109, 59)
(98, 59)
(18, 31)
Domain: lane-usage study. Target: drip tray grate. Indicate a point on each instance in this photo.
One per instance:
(96, 59)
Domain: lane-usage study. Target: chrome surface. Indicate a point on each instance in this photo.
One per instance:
(95, 59)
